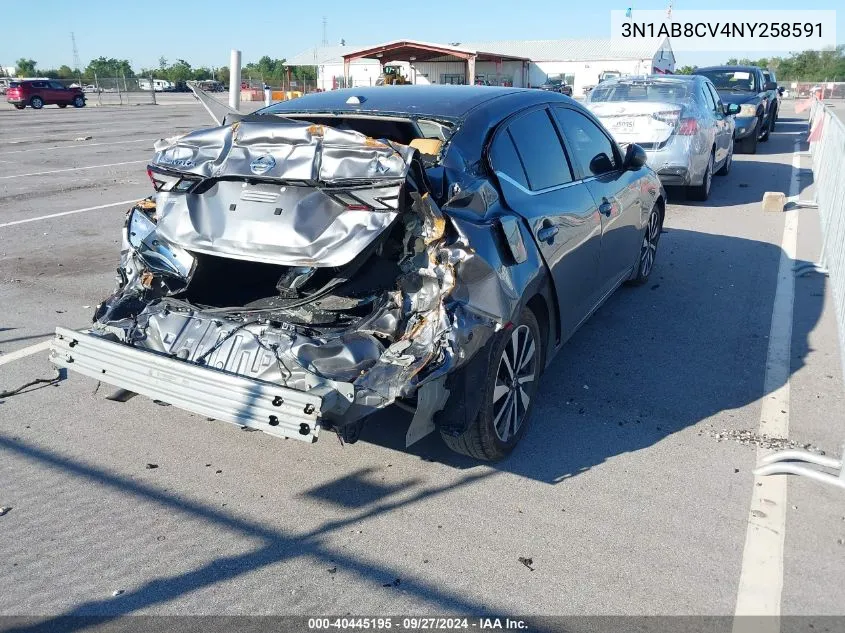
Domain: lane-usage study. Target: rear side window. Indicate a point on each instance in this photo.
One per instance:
(540, 150)
(592, 148)
(39, 84)
(505, 159)
(14, 84)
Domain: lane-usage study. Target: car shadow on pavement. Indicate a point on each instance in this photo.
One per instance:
(273, 545)
(652, 361)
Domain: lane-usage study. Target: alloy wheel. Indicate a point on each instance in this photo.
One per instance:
(708, 176)
(514, 386)
(649, 250)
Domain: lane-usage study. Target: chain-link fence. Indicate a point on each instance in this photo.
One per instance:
(818, 89)
(121, 91)
(115, 90)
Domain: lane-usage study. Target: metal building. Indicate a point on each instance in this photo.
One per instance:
(520, 63)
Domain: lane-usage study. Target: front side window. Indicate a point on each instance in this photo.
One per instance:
(591, 147)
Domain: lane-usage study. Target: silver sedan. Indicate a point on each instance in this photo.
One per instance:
(680, 121)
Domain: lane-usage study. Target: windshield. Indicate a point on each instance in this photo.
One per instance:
(731, 79)
(663, 91)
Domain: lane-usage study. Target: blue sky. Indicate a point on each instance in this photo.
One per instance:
(203, 32)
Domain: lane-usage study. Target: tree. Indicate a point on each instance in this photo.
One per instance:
(25, 67)
(825, 65)
(65, 72)
(686, 70)
(108, 67)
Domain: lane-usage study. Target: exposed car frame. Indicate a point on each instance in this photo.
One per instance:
(324, 213)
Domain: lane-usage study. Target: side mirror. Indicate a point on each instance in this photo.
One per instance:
(771, 85)
(731, 109)
(635, 157)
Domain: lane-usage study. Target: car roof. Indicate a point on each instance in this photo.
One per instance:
(655, 77)
(435, 101)
(749, 68)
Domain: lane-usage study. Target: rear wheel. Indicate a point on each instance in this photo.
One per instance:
(37, 103)
(20, 106)
(648, 251)
(62, 105)
(702, 191)
(510, 388)
(78, 102)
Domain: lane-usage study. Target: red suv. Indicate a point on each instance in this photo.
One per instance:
(40, 92)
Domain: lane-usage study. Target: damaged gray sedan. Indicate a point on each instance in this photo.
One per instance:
(307, 265)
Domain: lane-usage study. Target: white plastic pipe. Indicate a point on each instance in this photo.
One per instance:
(235, 79)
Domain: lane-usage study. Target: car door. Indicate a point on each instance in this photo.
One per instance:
(39, 89)
(615, 192)
(538, 183)
(58, 92)
(724, 129)
(763, 94)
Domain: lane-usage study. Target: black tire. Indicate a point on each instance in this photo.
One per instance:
(748, 145)
(725, 169)
(79, 102)
(505, 396)
(62, 105)
(765, 135)
(702, 191)
(651, 237)
(774, 120)
(37, 103)
(20, 106)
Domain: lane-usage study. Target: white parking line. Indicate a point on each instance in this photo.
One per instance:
(56, 215)
(78, 145)
(23, 353)
(761, 578)
(59, 171)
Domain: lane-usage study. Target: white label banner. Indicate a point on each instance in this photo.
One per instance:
(739, 31)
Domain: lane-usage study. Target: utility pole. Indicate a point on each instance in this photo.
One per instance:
(325, 36)
(76, 64)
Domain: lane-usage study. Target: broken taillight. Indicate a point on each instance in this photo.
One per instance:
(165, 181)
(687, 127)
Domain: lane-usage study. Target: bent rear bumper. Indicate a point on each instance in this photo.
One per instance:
(274, 409)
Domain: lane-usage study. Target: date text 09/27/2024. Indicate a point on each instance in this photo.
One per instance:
(417, 623)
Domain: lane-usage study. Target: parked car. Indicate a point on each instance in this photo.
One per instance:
(557, 85)
(38, 93)
(293, 274)
(775, 94)
(680, 122)
(747, 87)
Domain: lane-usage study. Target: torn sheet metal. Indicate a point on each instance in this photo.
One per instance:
(281, 192)
(289, 225)
(361, 291)
(284, 149)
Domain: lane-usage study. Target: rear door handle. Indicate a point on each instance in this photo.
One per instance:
(606, 208)
(547, 232)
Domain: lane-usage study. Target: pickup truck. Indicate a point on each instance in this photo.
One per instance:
(757, 99)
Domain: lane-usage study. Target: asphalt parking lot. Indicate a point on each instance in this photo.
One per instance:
(623, 495)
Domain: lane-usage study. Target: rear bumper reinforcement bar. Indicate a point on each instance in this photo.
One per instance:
(276, 410)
